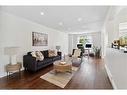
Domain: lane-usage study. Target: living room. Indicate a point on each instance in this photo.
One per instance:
(21, 25)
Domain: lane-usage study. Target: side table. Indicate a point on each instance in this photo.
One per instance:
(10, 68)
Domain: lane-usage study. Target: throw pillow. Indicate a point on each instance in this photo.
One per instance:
(52, 53)
(39, 55)
(77, 52)
(33, 54)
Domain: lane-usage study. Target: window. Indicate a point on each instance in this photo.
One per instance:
(84, 39)
(89, 39)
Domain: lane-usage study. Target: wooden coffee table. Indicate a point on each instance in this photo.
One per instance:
(59, 67)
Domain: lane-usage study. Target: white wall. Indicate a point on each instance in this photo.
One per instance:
(16, 31)
(104, 34)
(112, 25)
(70, 43)
(96, 38)
(115, 60)
(61, 39)
(116, 63)
(110, 29)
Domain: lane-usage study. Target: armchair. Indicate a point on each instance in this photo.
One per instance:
(76, 53)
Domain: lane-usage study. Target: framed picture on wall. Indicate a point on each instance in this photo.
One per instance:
(39, 39)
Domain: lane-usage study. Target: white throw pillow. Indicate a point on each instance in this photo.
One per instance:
(33, 54)
(52, 53)
(39, 55)
(77, 52)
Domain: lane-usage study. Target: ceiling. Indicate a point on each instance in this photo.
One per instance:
(63, 18)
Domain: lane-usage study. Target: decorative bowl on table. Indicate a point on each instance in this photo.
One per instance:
(62, 62)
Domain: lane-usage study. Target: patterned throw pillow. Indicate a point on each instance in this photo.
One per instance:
(39, 55)
(52, 53)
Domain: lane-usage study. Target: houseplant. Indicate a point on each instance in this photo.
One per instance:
(82, 42)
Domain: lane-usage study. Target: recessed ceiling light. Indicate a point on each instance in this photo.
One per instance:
(42, 13)
(79, 19)
(61, 23)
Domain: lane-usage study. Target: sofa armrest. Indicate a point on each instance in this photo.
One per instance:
(59, 53)
(29, 63)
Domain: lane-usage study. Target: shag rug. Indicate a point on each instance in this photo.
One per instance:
(59, 79)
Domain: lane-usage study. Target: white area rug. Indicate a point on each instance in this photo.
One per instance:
(59, 79)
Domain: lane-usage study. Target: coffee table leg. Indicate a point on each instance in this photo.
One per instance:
(55, 71)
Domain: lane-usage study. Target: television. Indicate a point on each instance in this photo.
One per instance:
(79, 45)
(88, 45)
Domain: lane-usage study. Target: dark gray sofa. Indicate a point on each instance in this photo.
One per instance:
(30, 63)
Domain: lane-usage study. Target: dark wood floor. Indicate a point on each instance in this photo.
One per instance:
(91, 75)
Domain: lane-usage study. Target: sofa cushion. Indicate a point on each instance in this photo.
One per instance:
(44, 62)
(45, 53)
(54, 58)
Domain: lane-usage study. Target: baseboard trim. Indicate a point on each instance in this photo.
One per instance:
(3, 75)
(10, 74)
(110, 77)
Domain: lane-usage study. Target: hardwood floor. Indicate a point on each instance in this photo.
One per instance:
(91, 75)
